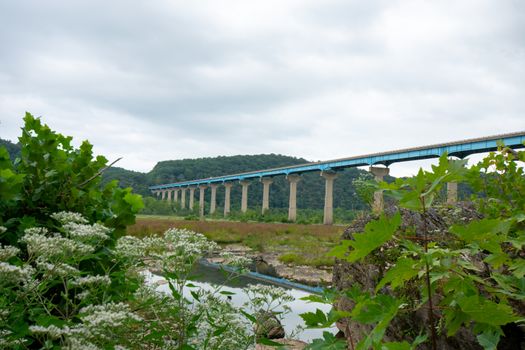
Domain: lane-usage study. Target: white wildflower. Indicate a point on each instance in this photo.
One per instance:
(130, 247)
(6, 343)
(238, 261)
(94, 234)
(51, 331)
(7, 252)
(59, 269)
(15, 274)
(80, 344)
(83, 295)
(267, 297)
(2, 229)
(91, 280)
(66, 217)
(100, 320)
(53, 246)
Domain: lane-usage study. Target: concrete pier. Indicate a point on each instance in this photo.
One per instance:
(266, 181)
(176, 195)
(328, 215)
(213, 203)
(183, 198)
(452, 192)
(292, 203)
(227, 196)
(163, 194)
(169, 195)
(192, 197)
(244, 198)
(379, 174)
(202, 188)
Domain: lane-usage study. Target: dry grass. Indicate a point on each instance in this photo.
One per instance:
(310, 242)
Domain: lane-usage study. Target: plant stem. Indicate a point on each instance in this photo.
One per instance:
(433, 335)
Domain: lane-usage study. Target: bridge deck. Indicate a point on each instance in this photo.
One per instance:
(459, 149)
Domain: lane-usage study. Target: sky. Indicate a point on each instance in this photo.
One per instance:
(158, 80)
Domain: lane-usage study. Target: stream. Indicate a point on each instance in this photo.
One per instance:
(208, 278)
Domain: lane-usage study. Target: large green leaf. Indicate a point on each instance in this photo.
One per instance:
(329, 342)
(376, 234)
(486, 311)
(404, 270)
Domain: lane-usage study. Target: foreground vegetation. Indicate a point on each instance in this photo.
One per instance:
(71, 278)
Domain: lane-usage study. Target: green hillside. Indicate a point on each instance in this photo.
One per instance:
(12, 148)
(310, 191)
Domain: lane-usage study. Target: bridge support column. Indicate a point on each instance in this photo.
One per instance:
(202, 188)
(227, 192)
(328, 215)
(183, 198)
(163, 194)
(379, 174)
(452, 192)
(213, 203)
(244, 198)
(292, 203)
(266, 181)
(176, 196)
(169, 195)
(192, 197)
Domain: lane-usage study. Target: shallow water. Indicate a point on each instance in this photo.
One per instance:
(207, 278)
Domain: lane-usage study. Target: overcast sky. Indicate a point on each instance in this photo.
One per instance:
(157, 80)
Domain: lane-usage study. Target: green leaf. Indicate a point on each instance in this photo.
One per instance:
(135, 200)
(315, 319)
(376, 234)
(404, 270)
(489, 339)
(329, 342)
(518, 268)
(396, 346)
(250, 317)
(486, 311)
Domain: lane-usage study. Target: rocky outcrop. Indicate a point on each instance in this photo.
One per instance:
(268, 326)
(369, 272)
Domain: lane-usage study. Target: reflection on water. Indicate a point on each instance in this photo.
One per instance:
(206, 278)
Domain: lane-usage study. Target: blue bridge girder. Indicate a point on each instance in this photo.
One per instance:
(460, 149)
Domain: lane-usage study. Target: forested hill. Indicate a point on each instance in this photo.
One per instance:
(310, 191)
(12, 148)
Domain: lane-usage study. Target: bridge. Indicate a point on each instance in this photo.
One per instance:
(328, 170)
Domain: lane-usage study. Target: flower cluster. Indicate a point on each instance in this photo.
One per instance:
(40, 243)
(7, 252)
(267, 297)
(238, 261)
(11, 274)
(93, 234)
(67, 217)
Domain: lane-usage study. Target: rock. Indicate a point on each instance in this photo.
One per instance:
(261, 266)
(368, 272)
(268, 326)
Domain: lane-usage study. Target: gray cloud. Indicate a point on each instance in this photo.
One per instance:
(175, 79)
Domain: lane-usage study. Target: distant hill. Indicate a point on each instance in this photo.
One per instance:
(310, 191)
(12, 148)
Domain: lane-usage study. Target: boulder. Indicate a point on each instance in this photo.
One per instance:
(268, 326)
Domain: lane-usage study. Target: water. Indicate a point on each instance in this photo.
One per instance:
(208, 278)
